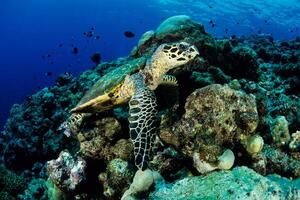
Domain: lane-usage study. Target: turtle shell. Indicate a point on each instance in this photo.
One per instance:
(113, 79)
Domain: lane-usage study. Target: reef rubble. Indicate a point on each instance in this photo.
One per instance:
(229, 130)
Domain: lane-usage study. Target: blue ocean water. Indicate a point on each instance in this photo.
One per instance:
(37, 38)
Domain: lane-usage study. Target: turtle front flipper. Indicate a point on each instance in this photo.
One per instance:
(142, 124)
(102, 103)
(168, 80)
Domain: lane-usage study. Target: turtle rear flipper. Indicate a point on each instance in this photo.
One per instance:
(72, 124)
(142, 124)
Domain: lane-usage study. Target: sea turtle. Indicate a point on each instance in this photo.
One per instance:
(137, 88)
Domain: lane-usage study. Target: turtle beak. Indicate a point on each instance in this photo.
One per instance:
(194, 51)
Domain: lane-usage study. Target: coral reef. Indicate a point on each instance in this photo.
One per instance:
(37, 189)
(31, 131)
(237, 104)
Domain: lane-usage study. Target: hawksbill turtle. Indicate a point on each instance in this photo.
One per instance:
(137, 89)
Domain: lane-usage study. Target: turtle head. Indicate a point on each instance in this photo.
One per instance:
(166, 57)
(175, 54)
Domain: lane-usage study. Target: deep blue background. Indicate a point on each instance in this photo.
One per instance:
(32, 28)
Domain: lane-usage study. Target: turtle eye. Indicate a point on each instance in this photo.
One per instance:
(182, 47)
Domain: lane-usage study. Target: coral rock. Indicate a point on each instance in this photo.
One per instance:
(216, 118)
(280, 131)
(240, 183)
(67, 172)
(117, 178)
(97, 140)
(142, 182)
(295, 141)
(146, 37)
(177, 26)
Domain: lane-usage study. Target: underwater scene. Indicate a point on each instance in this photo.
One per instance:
(156, 99)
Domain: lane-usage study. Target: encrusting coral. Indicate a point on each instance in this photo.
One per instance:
(11, 184)
(240, 183)
(280, 131)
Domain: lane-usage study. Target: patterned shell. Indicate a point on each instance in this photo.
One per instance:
(112, 79)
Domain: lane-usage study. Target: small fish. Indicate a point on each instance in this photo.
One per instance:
(96, 58)
(67, 73)
(129, 34)
(75, 50)
(97, 37)
(43, 57)
(89, 34)
(60, 45)
(48, 73)
(212, 23)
